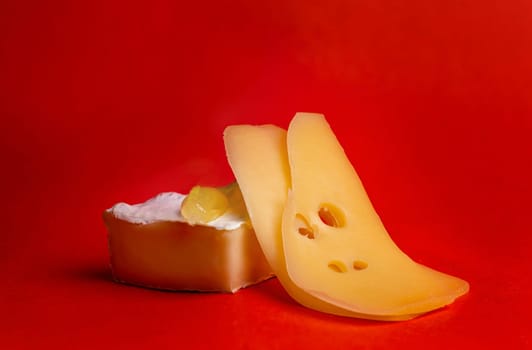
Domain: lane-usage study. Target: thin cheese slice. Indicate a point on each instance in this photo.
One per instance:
(259, 160)
(335, 245)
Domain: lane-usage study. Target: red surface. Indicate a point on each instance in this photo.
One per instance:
(107, 101)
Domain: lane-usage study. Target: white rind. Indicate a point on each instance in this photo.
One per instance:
(166, 206)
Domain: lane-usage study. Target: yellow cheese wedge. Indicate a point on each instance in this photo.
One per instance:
(335, 245)
(259, 160)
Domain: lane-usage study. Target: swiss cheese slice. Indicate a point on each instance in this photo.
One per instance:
(335, 245)
(259, 159)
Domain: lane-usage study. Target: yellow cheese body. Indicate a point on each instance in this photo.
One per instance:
(259, 159)
(335, 245)
(178, 256)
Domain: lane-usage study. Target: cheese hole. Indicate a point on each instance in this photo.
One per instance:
(303, 227)
(359, 265)
(330, 215)
(306, 232)
(337, 266)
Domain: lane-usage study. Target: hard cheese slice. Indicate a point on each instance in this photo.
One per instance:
(259, 160)
(257, 155)
(335, 245)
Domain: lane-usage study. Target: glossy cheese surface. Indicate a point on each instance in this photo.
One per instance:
(270, 185)
(335, 245)
(259, 160)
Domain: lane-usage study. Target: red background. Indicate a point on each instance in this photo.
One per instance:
(107, 101)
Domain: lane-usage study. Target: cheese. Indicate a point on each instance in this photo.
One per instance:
(259, 160)
(152, 245)
(258, 156)
(335, 245)
(166, 207)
